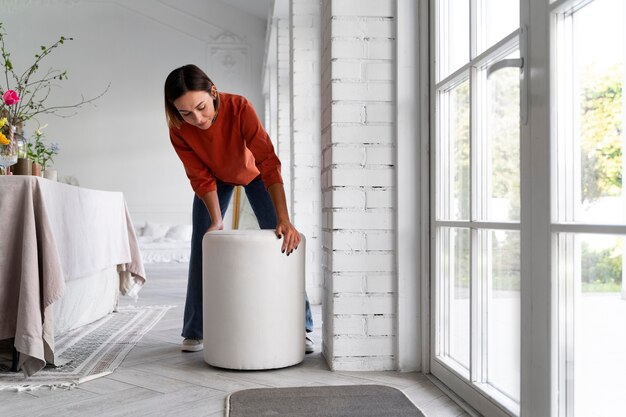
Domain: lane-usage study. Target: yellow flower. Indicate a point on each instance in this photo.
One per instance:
(3, 121)
(3, 139)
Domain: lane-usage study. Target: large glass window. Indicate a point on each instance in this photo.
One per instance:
(589, 210)
(529, 219)
(477, 193)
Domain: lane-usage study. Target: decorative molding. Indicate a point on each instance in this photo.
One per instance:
(229, 60)
(228, 37)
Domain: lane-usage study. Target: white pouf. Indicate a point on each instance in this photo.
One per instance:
(253, 300)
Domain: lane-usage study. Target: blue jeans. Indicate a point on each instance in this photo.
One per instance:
(263, 208)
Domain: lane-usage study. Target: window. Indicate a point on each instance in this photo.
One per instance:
(529, 212)
(589, 205)
(476, 223)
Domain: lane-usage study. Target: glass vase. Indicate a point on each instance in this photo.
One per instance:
(8, 151)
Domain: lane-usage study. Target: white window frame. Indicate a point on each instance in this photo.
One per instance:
(564, 205)
(541, 376)
(482, 397)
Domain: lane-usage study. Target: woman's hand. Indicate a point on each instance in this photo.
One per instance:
(284, 228)
(216, 226)
(211, 201)
(291, 237)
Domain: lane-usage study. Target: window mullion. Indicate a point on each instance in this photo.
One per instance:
(444, 254)
(572, 98)
(443, 164)
(475, 327)
(473, 39)
(537, 372)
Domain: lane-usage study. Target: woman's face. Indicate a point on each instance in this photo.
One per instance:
(196, 108)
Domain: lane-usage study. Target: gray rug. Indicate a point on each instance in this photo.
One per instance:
(328, 401)
(89, 352)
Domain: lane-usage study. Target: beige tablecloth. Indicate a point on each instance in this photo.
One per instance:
(51, 233)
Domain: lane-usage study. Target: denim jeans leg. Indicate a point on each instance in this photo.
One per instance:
(263, 208)
(261, 204)
(308, 324)
(192, 321)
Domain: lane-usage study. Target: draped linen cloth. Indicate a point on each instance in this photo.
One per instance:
(51, 233)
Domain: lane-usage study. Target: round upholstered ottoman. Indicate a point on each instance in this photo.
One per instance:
(253, 300)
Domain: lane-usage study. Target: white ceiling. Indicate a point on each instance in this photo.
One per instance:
(257, 8)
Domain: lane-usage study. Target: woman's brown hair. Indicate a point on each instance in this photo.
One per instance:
(181, 80)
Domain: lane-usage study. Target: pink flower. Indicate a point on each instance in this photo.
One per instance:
(10, 97)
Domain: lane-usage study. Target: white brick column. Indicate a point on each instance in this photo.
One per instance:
(270, 80)
(305, 133)
(283, 130)
(358, 183)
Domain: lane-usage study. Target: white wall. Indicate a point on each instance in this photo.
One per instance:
(122, 143)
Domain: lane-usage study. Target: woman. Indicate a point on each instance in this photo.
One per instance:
(221, 142)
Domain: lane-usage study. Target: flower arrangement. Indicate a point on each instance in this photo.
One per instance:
(40, 152)
(24, 95)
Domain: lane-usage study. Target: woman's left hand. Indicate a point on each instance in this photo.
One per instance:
(291, 237)
(284, 228)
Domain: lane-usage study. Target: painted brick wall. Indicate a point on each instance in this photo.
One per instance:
(283, 148)
(358, 183)
(305, 134)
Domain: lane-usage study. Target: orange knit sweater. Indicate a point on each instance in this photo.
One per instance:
(235, 149)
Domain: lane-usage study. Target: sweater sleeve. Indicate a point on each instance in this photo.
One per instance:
(200, 176)
(259, 143)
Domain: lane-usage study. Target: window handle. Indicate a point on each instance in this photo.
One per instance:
(521, 64)
(505, 63)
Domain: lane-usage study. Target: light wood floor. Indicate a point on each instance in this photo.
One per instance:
(157, 379)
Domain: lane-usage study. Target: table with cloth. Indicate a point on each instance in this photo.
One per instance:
(51, 234)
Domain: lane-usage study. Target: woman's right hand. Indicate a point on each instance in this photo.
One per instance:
(216, 226)
(211, 201)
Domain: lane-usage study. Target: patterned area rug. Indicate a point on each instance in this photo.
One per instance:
(89, 352)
